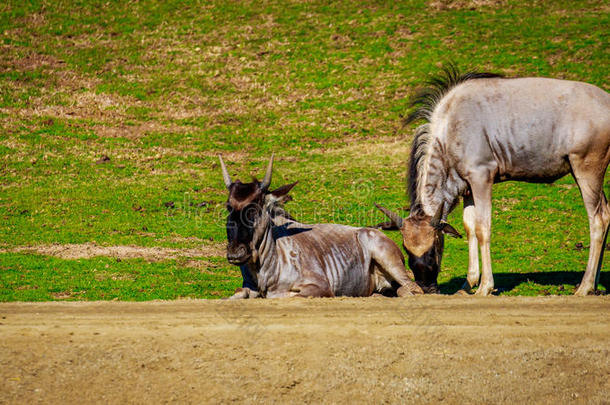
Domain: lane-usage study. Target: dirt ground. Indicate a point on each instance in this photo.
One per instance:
(343, 350)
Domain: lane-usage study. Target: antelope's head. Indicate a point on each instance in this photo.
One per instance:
(423, 239)
(245, 206)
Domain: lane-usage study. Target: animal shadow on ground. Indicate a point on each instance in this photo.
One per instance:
(505, 282)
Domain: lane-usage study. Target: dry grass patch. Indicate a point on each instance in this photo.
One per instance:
(105, 275)
(64, 295)
(89, 250)
(31, 61)
(121, 130)
(392, 150)
(466, 4)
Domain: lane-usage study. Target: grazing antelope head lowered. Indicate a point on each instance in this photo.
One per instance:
(423, 239)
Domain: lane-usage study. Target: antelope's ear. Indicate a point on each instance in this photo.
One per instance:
(281, 191)
(447, 229)
(387, 226)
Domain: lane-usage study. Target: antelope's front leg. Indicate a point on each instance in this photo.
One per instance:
(473, 246)
(243, 293)
(481, 194)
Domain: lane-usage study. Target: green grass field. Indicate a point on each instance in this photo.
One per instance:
(112, 114)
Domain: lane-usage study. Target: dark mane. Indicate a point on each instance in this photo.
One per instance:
(277, 210)
(437, 86)
(424, 102)
(417, 153)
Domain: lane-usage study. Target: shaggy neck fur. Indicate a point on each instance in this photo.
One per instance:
(263, 241)
(431, 184)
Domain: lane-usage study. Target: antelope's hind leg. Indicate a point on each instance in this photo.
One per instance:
(390, 261)
(310, 284)
(307, 290)
(598, 212)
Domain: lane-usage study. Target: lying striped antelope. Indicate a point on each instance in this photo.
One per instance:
(482, 129)
(289, 259)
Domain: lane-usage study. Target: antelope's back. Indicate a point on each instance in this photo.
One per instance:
(330, 251)
(527, 125)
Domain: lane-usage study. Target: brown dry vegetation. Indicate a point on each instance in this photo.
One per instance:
(89, 250)
(466, 4)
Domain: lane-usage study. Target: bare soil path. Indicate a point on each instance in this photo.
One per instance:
(345, 350)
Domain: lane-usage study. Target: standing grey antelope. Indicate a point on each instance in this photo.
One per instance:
(289, 259)
(482, 129)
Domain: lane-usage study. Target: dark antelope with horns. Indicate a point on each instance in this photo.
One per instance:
(291, 259)
(482, 129)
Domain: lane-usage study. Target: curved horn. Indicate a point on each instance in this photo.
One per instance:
(225, 172)
(436, 220)
(397, 219)
(267, 180)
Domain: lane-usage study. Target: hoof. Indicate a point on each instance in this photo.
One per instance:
(469, 287)
(407, 290)
(484, 292)
(462, 292)
(583, 292)
(243, 293)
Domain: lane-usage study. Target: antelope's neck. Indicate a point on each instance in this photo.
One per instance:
(262, 240)
(439, 186)
(264, 254)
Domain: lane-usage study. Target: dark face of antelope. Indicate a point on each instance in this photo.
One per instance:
(244, 206)
(423, 239)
